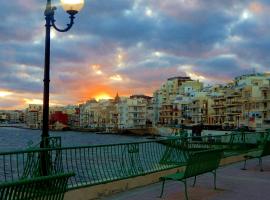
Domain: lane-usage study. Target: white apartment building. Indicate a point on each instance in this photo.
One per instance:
(132, 113)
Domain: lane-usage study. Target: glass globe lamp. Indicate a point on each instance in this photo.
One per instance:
(72, 5)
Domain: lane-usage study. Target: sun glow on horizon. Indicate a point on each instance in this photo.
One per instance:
(33, 101)
(103, 96)
(5, 93)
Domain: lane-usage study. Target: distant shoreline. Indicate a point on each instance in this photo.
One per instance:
(80, 130)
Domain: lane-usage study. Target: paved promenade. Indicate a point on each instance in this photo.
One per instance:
(232, 184)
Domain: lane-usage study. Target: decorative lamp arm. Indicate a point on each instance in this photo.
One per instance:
(72, 14)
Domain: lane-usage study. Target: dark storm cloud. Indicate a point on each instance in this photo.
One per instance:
(225, 66)
(21, 84)
(254, 38)
(124, 29)
(192, 39)
(22, 53)
(20, 78)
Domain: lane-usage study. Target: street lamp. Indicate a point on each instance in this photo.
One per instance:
(72, 7)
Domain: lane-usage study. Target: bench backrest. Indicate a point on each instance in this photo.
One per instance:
(46, 187)
(266, 148)
(202, 162)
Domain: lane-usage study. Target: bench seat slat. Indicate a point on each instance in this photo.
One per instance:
(177, 176)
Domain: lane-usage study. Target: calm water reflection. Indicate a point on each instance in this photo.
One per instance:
(14, 138)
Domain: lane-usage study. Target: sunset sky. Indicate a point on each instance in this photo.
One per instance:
(129, 47)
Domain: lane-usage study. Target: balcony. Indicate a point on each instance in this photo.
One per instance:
(233, 103)
(218, 114)
(233, 95)
(265, 98)
(233, 112)
(221, 105)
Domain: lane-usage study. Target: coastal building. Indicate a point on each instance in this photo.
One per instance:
(150, 113)
(172, 100)
(157, 103)
(171, 88)
(107, 114)
(255, 91)
(73, 113)
(33, 116)
(245, 102)
(132, 112)
(58, 120)
(179, 101)
(99, 114)
(190, 86)
(199, 109)
(3, 117)
(233, 108)
(11, 116)
(217, 117)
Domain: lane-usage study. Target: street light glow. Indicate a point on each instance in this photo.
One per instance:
(75, 5)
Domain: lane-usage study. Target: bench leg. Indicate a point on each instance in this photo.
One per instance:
(260, 163)
(194, 182)
(186, 194)
(163, 183)
(244, 168)
(215, 179)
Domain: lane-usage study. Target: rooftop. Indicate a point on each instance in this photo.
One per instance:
(179, 78)
(232, 184)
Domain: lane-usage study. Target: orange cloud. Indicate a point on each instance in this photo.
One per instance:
(96, 69)
(256, 7)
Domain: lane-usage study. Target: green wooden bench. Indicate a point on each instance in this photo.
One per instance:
(39, 188)
(198, 163)
(263, 150)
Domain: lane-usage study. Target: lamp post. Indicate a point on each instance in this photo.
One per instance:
(71, 7)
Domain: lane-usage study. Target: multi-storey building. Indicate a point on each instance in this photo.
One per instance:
(180, 100)
(233, 108)
(189, 87)
(199, 110)
(171, 88)
(243, 103)
(167, 107)
(122, 110)
(183, 104)
(3, 117)
(87, 113)
(255, 100)
(218, 115)
(107, 114)
(166, 114)
(11, 116)
(132, 112)
(33, 116)
(136, 112)
(157, 103)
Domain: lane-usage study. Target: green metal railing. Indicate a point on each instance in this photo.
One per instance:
(91, 164)
(105, 163)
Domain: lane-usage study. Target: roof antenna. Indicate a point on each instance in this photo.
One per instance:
(254, 71)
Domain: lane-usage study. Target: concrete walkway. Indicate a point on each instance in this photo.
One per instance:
(232, 184)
